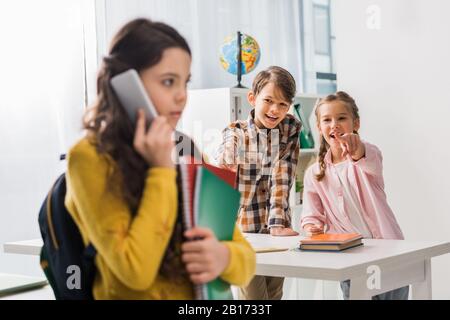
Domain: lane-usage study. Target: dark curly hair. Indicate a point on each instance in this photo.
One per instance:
(138, 45)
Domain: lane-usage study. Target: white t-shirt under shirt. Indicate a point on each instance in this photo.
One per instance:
(351, 202)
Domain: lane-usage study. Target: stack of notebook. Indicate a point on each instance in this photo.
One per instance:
(331, 242)
(210, 200)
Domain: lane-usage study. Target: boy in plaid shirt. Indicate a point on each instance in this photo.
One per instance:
(264, 151)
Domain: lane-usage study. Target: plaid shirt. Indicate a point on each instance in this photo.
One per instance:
(266, 162)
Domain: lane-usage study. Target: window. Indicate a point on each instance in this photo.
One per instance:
(318, 46)
(205, 24)
(321, 30)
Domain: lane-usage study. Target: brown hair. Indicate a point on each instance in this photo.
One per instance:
(350, 103)
(280, 77)
(138, 45)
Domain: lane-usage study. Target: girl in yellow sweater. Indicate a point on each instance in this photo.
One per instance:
(122, 188)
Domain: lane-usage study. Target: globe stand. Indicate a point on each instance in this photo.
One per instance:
(239, 60)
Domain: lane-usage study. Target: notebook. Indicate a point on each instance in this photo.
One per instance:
(11, 283)
(210, 200)
(306, 137)
(269, 249)
(331, 242)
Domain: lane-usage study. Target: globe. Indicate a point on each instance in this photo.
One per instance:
(250, 54)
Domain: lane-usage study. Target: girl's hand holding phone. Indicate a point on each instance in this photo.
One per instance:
(155, 145)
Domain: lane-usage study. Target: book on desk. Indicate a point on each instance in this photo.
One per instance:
(331, 242)
(269, 249)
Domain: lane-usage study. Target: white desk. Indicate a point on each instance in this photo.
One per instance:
(44, 293)
(400, 263)
(28, 247)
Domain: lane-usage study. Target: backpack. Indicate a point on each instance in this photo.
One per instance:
(68, 265)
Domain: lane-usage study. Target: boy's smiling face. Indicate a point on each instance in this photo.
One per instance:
(270, 106)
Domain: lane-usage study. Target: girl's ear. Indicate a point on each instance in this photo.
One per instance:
(251, 98)
(356, 125)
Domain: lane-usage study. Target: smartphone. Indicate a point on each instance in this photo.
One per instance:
(132, 95)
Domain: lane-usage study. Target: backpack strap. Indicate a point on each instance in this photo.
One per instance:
(49, 216)
(90, 252)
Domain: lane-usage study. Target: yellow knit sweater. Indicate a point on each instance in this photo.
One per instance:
(130, 250)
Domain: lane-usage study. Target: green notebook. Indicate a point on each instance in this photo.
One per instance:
(216, 206)
(306, 137)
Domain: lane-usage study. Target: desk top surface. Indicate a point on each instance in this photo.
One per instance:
(27, 247)
(295, 263)
(337, 264)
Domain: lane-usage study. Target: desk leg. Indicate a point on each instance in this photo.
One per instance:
(358, 289)
(422, 290)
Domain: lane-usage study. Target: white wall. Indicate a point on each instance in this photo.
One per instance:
(42, 83)
(398, 69)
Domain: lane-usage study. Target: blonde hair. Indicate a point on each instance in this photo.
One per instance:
(350, 104)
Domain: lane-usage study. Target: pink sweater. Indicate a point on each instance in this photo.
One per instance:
(366, 175)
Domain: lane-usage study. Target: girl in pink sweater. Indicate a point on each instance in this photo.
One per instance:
(344, 190)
